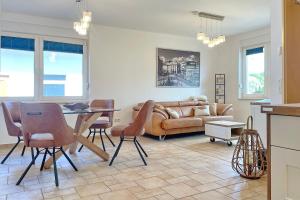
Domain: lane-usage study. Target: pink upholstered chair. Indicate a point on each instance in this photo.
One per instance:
(132, 131)
(44, 126)
(11, 112)
(102, 124)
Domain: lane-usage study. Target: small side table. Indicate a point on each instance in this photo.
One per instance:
(225, 130)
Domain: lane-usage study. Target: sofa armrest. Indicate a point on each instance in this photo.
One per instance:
(224, 109)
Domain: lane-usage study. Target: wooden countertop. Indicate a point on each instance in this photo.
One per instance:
(283, 109)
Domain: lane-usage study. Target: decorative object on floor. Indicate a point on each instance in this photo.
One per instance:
(248, 155)
(210, 28)
(102, 124)
(220, 88)
(134, 130)
(177, 68)
(83, 25)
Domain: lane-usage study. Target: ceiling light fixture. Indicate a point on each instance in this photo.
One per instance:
(83, 24)
(210, 29)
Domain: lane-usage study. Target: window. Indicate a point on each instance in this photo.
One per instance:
(42, 68)
(17, 67)
(254, 73)
(62, 69)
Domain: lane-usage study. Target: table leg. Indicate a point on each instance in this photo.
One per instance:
(49, 162)
(82, 124)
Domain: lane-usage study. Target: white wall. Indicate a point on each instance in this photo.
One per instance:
(226, 60)
(123, 67)
(276, 52)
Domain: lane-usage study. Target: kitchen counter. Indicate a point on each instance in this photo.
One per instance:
(283, 141)
(283, 109)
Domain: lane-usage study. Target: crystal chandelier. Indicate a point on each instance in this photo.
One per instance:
(210, 29)
(83, 24)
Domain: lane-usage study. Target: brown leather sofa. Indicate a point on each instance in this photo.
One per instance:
(162, 124)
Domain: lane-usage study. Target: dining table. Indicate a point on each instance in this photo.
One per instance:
(85, 118)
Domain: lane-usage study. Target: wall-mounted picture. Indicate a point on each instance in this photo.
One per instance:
(177, 68)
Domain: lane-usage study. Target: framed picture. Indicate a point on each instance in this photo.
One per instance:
(176, 68)
(220, 78)
(220, 88)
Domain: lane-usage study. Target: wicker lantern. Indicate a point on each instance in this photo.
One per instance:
(248, 157)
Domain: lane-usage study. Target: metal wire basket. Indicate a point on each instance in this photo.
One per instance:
(248, 157)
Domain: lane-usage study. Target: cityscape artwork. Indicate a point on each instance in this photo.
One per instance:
(177, 68)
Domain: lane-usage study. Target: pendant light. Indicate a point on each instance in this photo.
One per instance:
(210, 30)
(82, 26)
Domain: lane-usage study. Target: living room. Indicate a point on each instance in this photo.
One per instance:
(131, 52)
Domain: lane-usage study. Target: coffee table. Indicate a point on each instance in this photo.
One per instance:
(225, 130)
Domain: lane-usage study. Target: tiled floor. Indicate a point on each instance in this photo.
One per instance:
(181, 168)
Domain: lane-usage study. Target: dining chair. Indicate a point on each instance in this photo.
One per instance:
(101, 125)
(11, 113)
(132, 131)
(45, 127)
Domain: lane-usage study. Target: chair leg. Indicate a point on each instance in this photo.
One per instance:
(12, 149)
(141, 148)
(134, 141)
(55, 167)
(94, 135)
(86, 137)
(27, 169)
(23, 150)
(68, 158)
(102, 139)
(44, 158)
(117, 151)
(109, 138)
(32, 155)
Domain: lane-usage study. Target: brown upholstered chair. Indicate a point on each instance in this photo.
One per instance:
(132, 131)
(11, 112)
(44, 126)
(102, 124)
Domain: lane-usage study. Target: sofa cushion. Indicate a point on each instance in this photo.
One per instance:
(187, 111)
(182, 123)
(213, 109)
(173, 113)
(201, 111)
(216, 118)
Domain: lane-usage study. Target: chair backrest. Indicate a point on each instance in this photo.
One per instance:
(11, 112)
(105, 103)
(143, 116)
(45, 118)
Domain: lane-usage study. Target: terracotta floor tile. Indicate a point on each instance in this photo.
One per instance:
(180, 190)
(117, 195)
(186, 168)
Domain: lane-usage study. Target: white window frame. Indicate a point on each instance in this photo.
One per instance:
(243, 72)
(39, 69)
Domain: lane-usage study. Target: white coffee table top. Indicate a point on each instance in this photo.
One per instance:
(226, 123)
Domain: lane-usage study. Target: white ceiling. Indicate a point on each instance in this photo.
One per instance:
(165, 16)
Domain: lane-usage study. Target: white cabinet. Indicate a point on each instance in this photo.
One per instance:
(260, 122)
(285, 174)
(285, 157)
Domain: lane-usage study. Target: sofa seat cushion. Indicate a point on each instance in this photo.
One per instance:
(182, 123)
(216, 118)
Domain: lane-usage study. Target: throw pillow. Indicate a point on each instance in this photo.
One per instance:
(213, 109)
(201, 111)
(172, 113)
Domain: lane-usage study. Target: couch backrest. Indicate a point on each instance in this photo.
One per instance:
(184, 108)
